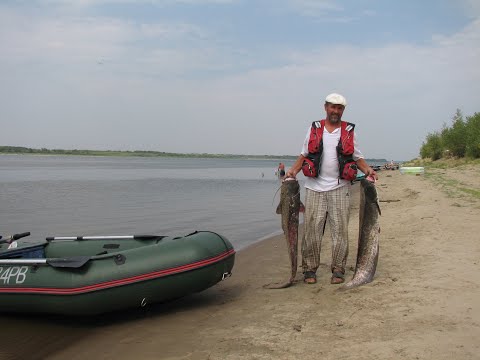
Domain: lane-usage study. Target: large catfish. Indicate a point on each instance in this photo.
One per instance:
(289, 208)
(368, 237)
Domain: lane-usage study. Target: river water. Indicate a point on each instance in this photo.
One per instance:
(80, 195)
(87, 195)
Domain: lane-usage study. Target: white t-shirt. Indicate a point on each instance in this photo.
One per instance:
(328, 179)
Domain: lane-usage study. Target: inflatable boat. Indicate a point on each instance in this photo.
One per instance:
(89, 275)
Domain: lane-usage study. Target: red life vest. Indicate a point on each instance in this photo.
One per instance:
(347, 167)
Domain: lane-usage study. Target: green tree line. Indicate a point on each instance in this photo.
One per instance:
(460, 139)
(140, 153)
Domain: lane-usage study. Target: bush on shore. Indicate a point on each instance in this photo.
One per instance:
(460, 140)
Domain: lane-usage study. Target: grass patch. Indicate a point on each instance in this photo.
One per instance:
(453, 188)
(473, 192)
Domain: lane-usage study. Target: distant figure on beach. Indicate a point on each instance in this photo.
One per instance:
(391, 166)
(281, 170)
(328, 186)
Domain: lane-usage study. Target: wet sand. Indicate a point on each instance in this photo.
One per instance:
(422, 304)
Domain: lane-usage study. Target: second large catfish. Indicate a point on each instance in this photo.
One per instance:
(368, 237)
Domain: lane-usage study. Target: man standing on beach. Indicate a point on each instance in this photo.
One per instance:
(327, 188)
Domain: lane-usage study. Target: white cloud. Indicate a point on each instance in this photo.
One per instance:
(467, 36)
(61, 39)
(78, 42)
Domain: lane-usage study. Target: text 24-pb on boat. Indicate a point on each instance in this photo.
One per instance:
(96, 274)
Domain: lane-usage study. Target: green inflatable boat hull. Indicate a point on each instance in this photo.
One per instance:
(89, 276)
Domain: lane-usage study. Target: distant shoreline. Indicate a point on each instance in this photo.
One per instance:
(18, 150)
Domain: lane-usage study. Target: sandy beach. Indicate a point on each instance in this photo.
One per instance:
(422, 304)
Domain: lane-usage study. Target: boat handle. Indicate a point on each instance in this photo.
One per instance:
(119, 259)
(9, 239)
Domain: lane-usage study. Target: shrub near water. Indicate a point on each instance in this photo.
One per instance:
(473, 136)
(433, 147)
(461, 139)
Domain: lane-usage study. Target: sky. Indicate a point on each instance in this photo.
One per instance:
(233, 76)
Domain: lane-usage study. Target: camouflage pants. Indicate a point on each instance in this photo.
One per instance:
(317, 204)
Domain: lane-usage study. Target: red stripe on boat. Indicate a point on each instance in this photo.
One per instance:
(119, 282)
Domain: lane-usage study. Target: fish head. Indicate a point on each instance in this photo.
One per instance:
(370, 192)
(290, 186)
(290, 190)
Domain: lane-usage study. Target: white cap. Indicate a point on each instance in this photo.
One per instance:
(336, 99)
